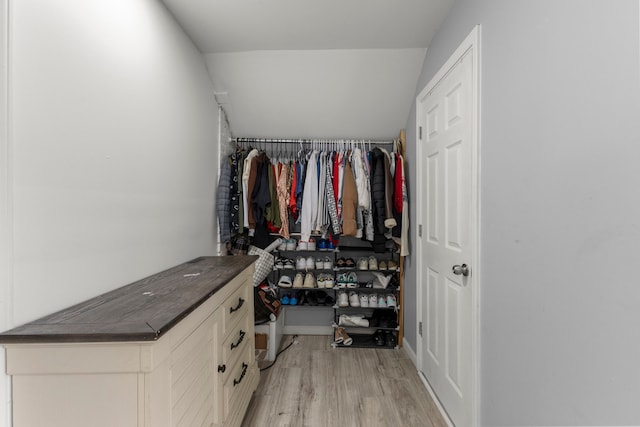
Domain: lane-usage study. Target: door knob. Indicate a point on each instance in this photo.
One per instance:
(461, 269)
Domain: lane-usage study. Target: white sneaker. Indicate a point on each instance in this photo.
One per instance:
(328, 281)
(382, 302)
(283, 245)
(310, 263)
(291, 245)
(373, 300)
(311, 245)
(301, 263)
(327, 264)
(309, 281)
(363, 264)
(391, 300)
(302, 246)
(364, 300)
(354, 300)
(298, 280)
(284, 282)
(319, 264)
(343, 300)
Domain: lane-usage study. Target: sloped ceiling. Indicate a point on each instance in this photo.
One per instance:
(313, 69)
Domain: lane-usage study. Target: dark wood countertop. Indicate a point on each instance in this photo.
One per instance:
(141, 311)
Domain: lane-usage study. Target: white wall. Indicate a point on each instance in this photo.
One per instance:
(113, 142)
(317, 93)
(560, 211)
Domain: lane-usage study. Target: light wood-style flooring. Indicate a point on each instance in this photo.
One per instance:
(312, 384)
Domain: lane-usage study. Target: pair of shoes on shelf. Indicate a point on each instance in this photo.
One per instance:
(390, 265)
(347, 280)
(325, 280)
(303, 263)
(345, 263)
(304, 281)
(306, 246)
(284, 263)
(341, 337)
(353, 320)
(287, 245)
(325, 245)
(383, 338)
(289, 299)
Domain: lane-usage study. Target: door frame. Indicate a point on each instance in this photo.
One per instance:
(471, 43)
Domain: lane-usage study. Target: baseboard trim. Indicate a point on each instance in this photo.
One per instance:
(410, 353)
(444, 414)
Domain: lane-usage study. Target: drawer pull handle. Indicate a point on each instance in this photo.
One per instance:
(244, 372)
(237, 344)
(237, 307)
(222, 368)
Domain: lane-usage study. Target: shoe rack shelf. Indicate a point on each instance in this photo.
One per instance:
(359, 281)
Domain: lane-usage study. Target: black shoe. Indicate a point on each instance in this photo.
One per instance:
(389, 339)
(322, 297)
(378, 338)
(312, 298)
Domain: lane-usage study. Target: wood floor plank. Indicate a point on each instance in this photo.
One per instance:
(313, 385)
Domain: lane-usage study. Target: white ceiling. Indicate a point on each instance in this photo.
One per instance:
(313, 69)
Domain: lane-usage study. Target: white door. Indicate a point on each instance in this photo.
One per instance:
(447, 146)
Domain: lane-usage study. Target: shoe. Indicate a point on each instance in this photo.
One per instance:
(293, 299)
(302, 246)
(353, 320)
(279, 265)
(383, 265)
(288, 264)
(328, 281)
(373, 263)
(363, 264)
(392, 265)
(322, 297)
(301, 263)
(343, 299)
(298, 280)
(283, 245)
(310, 263)
(302, 298)
(342, 280)
(391, 300)
(321, 245)
(284, 300)
(337, 336)
(364, 300)
(285, 282)
(344, 338)
(312, 297)
(389, 339)
(291, 245)
(311, 245)
(373, 300)
(327, 264)
(378, 338)
(329, 301)
(382, 301)
(352, 280)
(349, 263)
(319, 264)
(354, 300)
(330, 246)
(309, 281)
(341, 263)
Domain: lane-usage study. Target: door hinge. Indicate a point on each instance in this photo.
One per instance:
(420, 132)
(420, 328)
(420, 230)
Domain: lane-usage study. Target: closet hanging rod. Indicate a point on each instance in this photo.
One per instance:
(304, 141)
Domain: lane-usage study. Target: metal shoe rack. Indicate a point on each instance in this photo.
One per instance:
(380, 325)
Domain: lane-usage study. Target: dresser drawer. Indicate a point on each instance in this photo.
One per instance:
(240, 336)
(238, 306)
(240, 376)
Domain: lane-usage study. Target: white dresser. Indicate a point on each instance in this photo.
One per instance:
(174, 349)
